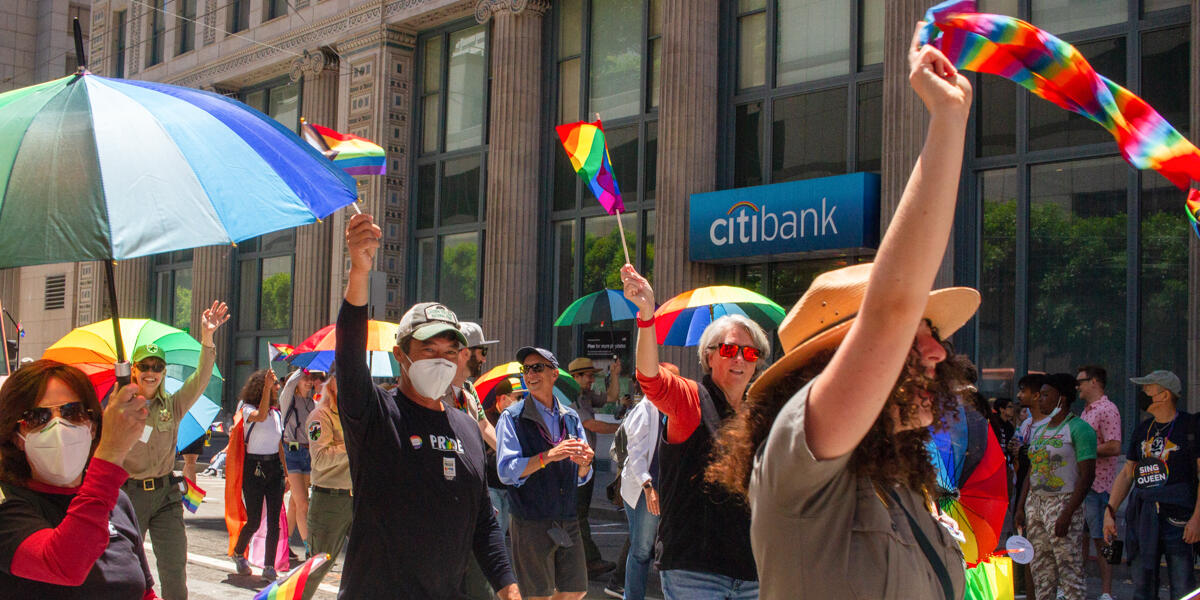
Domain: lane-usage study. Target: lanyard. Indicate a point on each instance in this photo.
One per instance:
(1038, 435)
(1166, 436)
(545, 433)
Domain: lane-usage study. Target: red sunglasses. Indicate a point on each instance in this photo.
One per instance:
(750, 353)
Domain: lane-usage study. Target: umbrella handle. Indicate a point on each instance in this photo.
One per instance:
(121, 367)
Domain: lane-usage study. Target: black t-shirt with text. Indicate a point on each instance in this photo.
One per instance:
(1164, 453)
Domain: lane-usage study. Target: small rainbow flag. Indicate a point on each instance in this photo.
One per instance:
(585, 145)
(193, 496)
(278, 352)
(291, 587)
(1193, 209)
(355, 155)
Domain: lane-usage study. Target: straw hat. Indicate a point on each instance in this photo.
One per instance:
(823, 315)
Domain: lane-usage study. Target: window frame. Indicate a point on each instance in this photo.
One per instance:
(170, 263)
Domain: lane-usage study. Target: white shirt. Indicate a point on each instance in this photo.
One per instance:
(642, 426)
(265, 435)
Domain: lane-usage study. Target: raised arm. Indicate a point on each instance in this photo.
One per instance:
(848, 397)
(638, 291)
(355, 388)
(259, 413)
(188, 393)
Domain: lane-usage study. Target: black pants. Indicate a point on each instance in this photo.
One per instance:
(583, 506)
(262, 478)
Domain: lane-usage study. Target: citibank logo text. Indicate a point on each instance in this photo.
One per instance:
(752, 225)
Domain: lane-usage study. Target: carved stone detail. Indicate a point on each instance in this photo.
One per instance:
(484, 9)
(311, 64)
(210, 22)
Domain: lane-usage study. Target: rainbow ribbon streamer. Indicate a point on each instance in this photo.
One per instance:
(585, 145)
(193, 496)
(1055, 71)
(355, 155)
(291, 587)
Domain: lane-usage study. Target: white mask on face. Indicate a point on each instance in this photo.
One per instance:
(59, 451)
(431, 377)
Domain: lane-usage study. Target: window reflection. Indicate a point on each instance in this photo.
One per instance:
(998, 282)
(813, 40)
(616, 58)
(808, 137)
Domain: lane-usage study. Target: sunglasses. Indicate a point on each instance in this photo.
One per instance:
(74, 412)
(152, 367)
(536, 367)
(750, 353)
(1079, 382)
(482, 350)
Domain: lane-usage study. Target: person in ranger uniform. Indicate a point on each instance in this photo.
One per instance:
(330, 509)
(156, 500)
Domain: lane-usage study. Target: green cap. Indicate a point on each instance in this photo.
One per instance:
(428, 319)
(148, 351)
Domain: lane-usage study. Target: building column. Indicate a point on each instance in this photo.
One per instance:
(10, 291)
(318, 72)
(1192, 391)
(510, 248)
(906, 120)
(212, 280)
(132, 277)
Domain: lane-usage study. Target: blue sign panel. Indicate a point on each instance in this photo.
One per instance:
(826, 215)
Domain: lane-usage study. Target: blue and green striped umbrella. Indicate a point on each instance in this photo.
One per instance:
(93, 168)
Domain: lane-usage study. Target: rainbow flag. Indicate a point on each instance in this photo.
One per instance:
(291, 587)
(278, 352)
(1193, 209)
(355, 155)
(193, 496)
(1055, 71)
(585, 145)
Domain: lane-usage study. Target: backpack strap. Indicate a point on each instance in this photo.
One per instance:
(935, 561)
(708, 411)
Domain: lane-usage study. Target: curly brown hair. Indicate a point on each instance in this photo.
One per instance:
(252, 390)
(21, 392)
(885, 457)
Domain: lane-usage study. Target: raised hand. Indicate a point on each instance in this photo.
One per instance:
(638, 290)
(124, 420)
(362, 239)
(941, 87)
(211, 319)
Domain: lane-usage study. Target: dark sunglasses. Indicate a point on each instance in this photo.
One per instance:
(750, 353)
(1079, 382)
(74, 412)
(536, 367)
(482, 350)
(152, 367)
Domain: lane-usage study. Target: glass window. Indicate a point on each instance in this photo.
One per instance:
(173, 296)
(459, 283)
(752, 50)
(565, 179)
(285, 105)
(747, 145)
(1166, 56)
(869, 147)
(239, 15)
(275, 9)
(999, 7)
(1153, 5)
(119, 55)
(247, 313)
(460, 190)
(1054, 127)
(570, 28)
(466, 88)
(1062, 16)
(568, 90)
(871, 32)
(1163, 277)
(602, 253)
(813, 40)
(276, 307)
(615, 72)
(426, 195)
(808, 136)
(998, 282)
(997, 134)
(1077, 266)
(185, 26)
(564, 283)
(426, 269)
(650, 177)
(623, 156)
(154, 48)
(648, 246)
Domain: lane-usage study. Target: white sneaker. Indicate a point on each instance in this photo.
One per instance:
(1105, 597)
(1061, 595)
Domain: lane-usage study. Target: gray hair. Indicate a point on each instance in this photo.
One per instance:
(716, 331)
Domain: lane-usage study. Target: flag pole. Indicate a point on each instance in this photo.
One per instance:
(620, 227)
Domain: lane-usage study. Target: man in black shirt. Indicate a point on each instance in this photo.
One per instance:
(417, 470)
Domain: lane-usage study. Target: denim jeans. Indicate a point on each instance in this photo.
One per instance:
(694, 585)
(1179, 564)
(500, 502)
(643, 526)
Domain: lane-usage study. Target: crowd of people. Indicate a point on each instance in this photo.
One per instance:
(807, 477)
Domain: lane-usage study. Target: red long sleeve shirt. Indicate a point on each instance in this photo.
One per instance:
(678, 398)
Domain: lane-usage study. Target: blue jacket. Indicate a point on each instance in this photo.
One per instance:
(549, 493)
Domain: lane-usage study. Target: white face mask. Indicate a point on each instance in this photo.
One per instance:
(431, 377)
(59, 451)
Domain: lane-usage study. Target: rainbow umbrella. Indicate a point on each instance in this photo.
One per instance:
(316, 352)
(605, 306)
(566, 389)
(91, 348)
(681, 320)
(972, 475)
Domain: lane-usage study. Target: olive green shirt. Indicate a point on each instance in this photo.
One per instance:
(327, 445)
(156, 456)
(819, 531)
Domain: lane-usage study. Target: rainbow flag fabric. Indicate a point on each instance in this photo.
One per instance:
(585, 145)
(192, 496)
(291, 587)
(279, 352)
(355, 155)
(1055, 71)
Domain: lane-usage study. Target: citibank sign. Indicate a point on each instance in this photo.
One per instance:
(786, 219)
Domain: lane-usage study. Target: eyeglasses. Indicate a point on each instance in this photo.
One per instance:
(1079, 382)
(482, 350)
(153, 367)
(750, 353)
(536, 367)
(38, 416)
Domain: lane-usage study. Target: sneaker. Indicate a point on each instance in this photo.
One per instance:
(615, 590)
(243, 567)
(1061, 595)
(269, 574)
(1105, 597)
(292, 556)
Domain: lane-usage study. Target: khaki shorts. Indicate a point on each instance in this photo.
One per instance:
(542, 566)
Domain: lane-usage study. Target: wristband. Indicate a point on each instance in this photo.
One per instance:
(643, 324)
(543, 462)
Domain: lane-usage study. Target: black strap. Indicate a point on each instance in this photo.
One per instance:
(935, 561)
(709, 416)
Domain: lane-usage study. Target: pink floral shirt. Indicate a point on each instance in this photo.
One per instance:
(1105, 418)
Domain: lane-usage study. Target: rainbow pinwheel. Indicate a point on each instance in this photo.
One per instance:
(91, 349)
(681, 320)
(316, 352)
(973, 478)
(1055, 71)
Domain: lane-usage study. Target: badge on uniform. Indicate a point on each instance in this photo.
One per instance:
(314, 431)
(448, 468)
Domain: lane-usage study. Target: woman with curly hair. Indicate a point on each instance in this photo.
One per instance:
(264, 469)
(829, 450)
